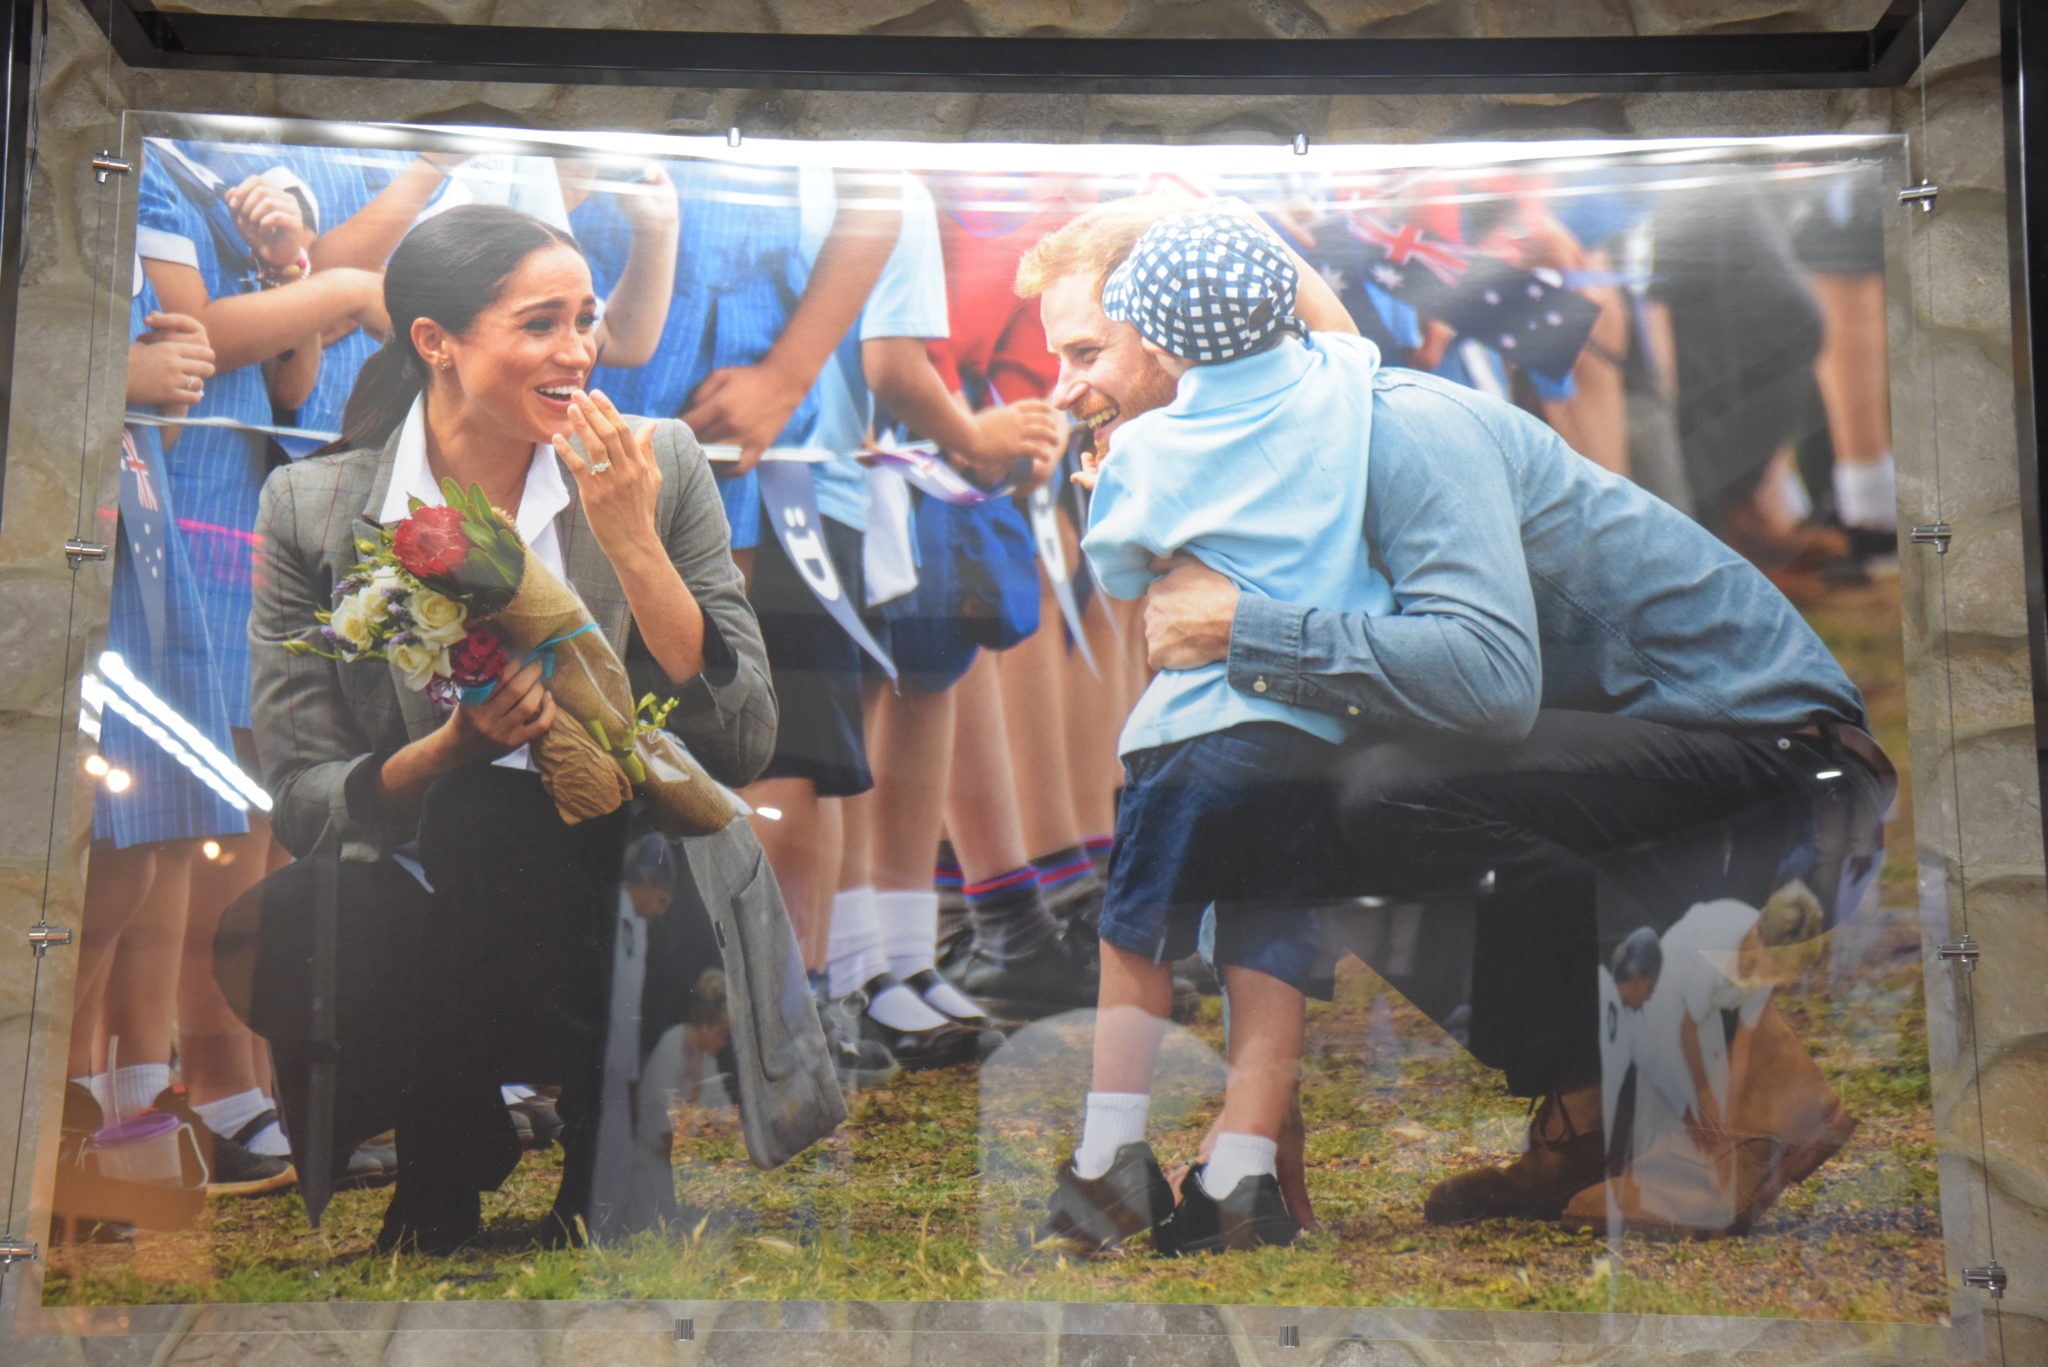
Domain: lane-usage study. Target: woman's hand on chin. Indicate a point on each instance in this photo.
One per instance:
(518, 712)
(620, 483)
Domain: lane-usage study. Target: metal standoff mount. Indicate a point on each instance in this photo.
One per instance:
(1965, 951)
(732, 136)
(24, 1251)
(1990, 1277)
(1935, 534)
(1301, 144)
(78, 552)
(1924, 194)
(107, 164)
(42, 937)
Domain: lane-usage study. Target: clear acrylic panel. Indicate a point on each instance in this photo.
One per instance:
(1734, 1037)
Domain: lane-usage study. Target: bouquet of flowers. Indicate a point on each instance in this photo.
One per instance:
(449, 595)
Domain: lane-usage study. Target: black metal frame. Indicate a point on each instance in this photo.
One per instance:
(16, 151)
(1885, 55)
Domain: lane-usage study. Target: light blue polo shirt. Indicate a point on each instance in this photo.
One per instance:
(1257, 469)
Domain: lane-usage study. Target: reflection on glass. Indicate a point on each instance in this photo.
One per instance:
(1473, 874)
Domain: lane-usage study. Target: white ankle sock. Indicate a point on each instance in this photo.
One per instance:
(136, 1085)
(853, 952)
(1235, 1157)
(1867, 496)
(231, 1113)
(900, 1008)
(1112, 1120)
(910, 927)
(910, 935)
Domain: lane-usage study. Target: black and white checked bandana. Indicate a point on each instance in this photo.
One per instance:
(1207, 285)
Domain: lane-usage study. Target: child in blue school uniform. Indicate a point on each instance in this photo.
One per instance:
(763, 277)
(1257, 468)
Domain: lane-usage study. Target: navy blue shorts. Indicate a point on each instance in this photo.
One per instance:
(815, 667)
(1239, 817)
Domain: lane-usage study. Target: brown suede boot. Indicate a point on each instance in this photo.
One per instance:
(1566, 1154)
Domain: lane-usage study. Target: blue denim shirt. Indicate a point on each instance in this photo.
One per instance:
(1525, 576)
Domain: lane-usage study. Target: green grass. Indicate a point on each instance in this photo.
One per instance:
(927, 1192)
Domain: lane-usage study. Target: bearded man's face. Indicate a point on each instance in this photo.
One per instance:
(1106, 375)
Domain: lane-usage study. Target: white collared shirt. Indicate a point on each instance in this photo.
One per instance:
(544, 495)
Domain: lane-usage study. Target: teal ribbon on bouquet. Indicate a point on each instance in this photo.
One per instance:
(475, 694)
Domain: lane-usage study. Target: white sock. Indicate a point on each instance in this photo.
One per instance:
(1868, 495)
(1112, 1120)
(1235, 1157)
(231, 1113)
(515, 1092)
(136, 1085)
(1784, 488)
(909, 920)
(910, 935)
(900, 1008)
(853, 952)
(228, 1115)
(100, 1087)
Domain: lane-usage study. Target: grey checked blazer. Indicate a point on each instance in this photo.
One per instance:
(317, 720)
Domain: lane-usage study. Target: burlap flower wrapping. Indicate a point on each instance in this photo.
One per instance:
(595, 756)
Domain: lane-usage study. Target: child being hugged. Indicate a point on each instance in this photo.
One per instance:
(1257, 469)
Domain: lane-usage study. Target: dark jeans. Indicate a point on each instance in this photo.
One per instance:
(1592, 825)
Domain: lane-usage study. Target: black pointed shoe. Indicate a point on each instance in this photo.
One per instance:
(1252, 1215)
(1096, 1213)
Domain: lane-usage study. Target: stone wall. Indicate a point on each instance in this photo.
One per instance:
(1966, 631)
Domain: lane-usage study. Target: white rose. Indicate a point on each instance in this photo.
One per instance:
(438, 619)
(354, 622)
(419, 662)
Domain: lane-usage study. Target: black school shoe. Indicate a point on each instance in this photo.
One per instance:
(1252, 1215)
(1042, 981)
(232, 1168)
(1098, 1213)
(942, 1046)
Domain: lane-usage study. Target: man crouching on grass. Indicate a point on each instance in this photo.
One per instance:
(1256, 468)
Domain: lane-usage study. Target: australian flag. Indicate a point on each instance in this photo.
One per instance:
(145, 525)
(1529, 317)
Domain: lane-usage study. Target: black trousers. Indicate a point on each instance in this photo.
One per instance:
(1591, 826)
(501, 973)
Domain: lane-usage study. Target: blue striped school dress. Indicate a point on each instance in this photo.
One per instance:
(739, 275)
(215, 474)
(166, 801)
(338, 183)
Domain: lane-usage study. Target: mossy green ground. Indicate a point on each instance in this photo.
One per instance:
(927, 1192)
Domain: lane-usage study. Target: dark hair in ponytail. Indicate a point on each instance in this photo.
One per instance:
(448, 268)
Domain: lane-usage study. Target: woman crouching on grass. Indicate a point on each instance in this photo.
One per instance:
(476, 928)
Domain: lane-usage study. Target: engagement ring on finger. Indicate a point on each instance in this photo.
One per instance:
(600, 467)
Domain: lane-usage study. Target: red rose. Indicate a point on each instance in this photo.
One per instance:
(430, 543)
(479, 658)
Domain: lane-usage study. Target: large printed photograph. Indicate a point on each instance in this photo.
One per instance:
(735, 720)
